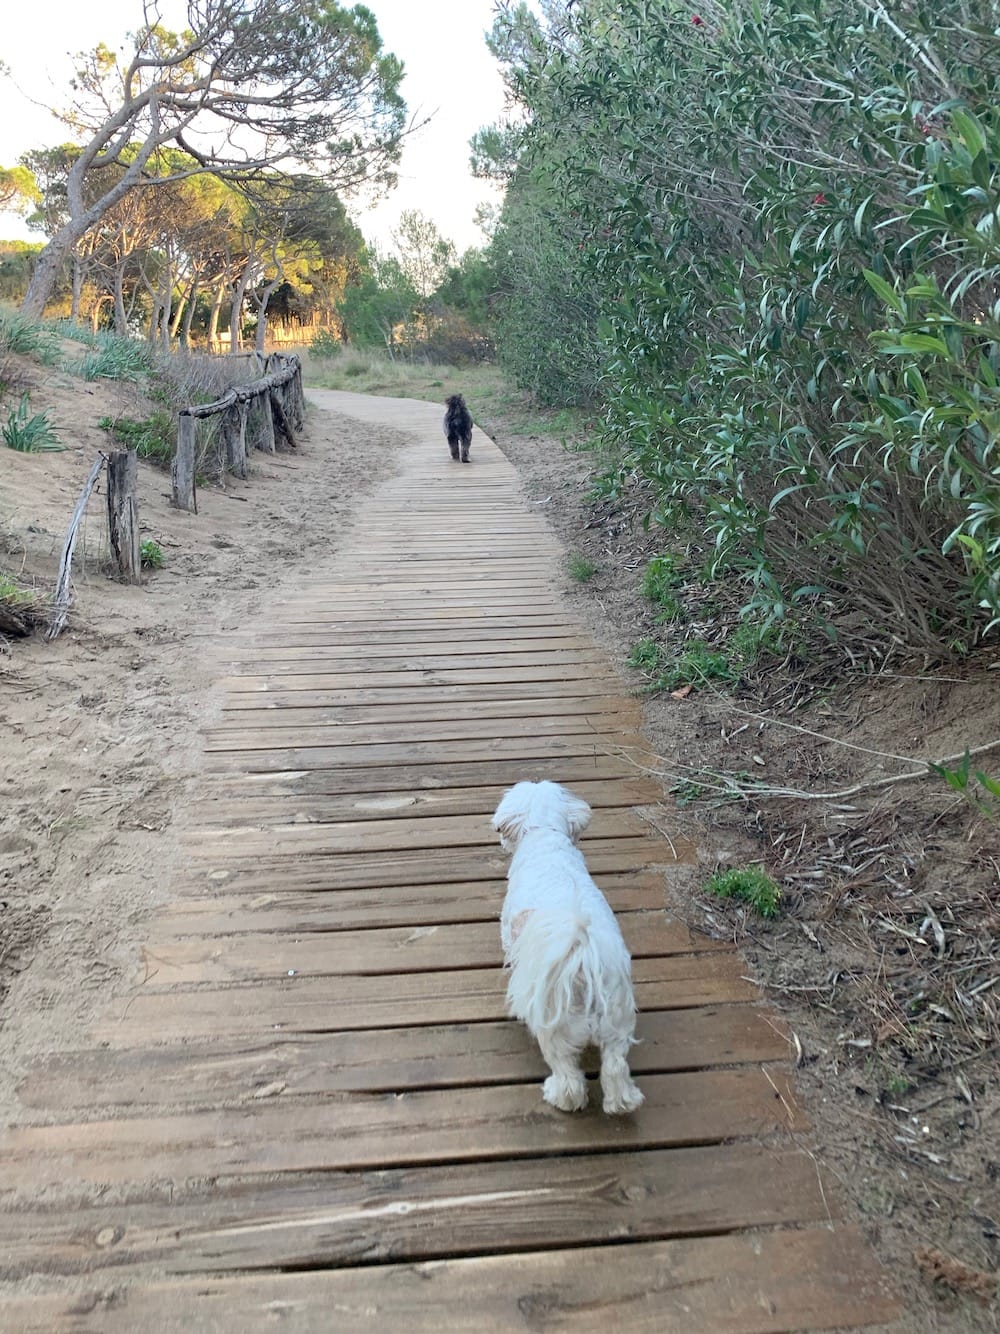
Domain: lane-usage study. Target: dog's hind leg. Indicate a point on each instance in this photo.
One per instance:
(453, 446)
(620, 1093)
(466, 443)
(566, 1087)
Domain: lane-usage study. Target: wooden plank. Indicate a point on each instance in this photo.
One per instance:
(345, 638)
(262, 710)
(312, 659)
(761, 1283)
(444, 675)
(403, 833)
(288, 692)
(496, 775)
(316, 873)
(334, 1004)
(386, 905)
(422, 1213)
(227, 802)
(376, 1061)
(259, 955)
(392, 754)
(288, 862)
(284, 1134)
(287, 730)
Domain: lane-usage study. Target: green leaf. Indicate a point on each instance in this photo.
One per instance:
(888, 294)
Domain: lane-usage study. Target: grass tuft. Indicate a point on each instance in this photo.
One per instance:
(751, 885)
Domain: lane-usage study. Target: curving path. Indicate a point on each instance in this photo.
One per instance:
(312, 1111)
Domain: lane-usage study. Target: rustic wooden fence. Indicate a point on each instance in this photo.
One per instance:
(254, 416)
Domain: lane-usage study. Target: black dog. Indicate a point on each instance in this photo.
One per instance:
(458, 427)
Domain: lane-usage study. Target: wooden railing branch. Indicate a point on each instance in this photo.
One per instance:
(280, 402)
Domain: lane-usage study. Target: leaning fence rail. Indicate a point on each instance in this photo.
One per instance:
(254, 416)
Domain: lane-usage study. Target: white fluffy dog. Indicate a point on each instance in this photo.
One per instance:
(570, 973)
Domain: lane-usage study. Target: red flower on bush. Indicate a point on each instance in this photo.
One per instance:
(697, 20)
(819, 198)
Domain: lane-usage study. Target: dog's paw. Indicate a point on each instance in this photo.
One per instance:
(623, 1100)
(569, 1095)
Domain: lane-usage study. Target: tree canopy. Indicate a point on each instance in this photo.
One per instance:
(250, 88)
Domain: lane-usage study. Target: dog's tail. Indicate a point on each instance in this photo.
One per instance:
(557, 972)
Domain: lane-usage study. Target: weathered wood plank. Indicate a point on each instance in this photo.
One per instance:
(228, 802)
(288, 858)
(585, 745)
(464, 1209)
(762, 1283)
(403, 833)
(323, 874)
(467, 675)
(494, 775)
(334, 1004)
(377, 1061)
(284, 1134)
(281, 733)
(259, 955)
(262, 710)
(219, 913)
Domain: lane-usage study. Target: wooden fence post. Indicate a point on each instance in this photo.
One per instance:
(266, 441)
(123, 512)
(234, 436)
(183, 465)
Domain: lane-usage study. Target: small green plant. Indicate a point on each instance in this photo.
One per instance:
(983, 795)
(750, 639)
(26, 338)
(686, 792)
(696, 664)
(151, 437)
(150, 555)
(647, 655)
(581, 568)
(114, 359)
(749, 884)
(659, 577)
(29, 434)
(10, 593)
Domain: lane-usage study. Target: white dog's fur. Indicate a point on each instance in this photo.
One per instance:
(570, 973)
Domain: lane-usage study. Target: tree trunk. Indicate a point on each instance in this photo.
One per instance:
(74, 309)
(121, 318)
(236, 311)
(192, 303)
(213, 323)
(46, 270)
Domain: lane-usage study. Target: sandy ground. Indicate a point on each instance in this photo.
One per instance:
(101, 756)
(101, 728)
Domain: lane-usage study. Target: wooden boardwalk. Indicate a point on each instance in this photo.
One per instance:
(312, 1110)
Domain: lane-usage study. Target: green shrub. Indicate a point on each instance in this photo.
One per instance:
(325, 345)
(781, 222)
(25, 337)
(749, 884)
(30, 434)
(114, 358)
(152, 437)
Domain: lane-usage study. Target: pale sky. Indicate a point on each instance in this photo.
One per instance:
(449, 72)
